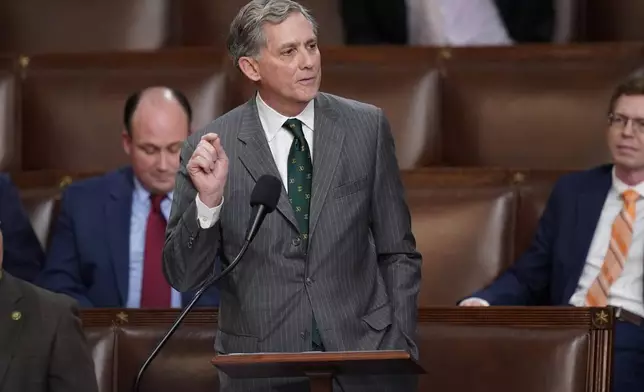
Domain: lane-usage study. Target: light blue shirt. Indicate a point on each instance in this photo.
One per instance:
(138, 222)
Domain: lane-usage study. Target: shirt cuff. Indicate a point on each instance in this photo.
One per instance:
(206, 216)
(474, 300)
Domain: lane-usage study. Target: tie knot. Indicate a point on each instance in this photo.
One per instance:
(156, 202)
(295, 127)
(630, 196)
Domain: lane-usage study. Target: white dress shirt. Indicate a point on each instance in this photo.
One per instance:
(626, 292)
(279, 140)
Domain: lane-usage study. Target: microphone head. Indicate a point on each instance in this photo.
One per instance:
(266, 192)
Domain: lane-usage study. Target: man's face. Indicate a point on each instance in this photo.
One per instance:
(626, 132)
(158, 132)
(288, 66)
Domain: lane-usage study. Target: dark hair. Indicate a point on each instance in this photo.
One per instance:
(633, 84)
(133, 100)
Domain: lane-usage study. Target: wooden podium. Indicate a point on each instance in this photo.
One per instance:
(319, 367)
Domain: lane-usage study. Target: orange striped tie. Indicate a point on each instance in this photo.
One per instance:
(620, 240)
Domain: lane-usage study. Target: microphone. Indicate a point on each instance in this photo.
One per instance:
(263, 199)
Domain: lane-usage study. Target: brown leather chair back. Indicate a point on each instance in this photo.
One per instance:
(102, 343)
(122, 339)
(37, 26)
(527, 349)
(534, 188)
(9, 123)
(463, 231)
(513, 107)
(42, 206)
(72, 106)
(404, 83)
(206, 22)
(612, 20)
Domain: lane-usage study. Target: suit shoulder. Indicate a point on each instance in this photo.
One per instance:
(351, 106)
(56, 303)
(581, 179)
(578, 181)
(222, 125)
(98, 184)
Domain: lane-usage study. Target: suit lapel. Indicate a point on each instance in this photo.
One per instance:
(118, 210)
(11, 318)
(327, 147)
(589, 207)
(256, 156)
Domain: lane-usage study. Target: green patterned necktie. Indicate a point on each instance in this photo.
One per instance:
(300, 171)
(300, 174)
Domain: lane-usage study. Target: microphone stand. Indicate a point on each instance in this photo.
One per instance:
(209, 282)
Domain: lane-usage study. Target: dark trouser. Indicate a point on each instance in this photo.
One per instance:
(628, 361)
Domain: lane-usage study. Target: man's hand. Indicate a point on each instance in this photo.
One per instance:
(474, 302)
(208, 169)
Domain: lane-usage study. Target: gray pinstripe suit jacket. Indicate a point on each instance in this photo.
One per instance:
(361, 274)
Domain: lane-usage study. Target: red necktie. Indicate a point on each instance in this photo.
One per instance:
(156, 292)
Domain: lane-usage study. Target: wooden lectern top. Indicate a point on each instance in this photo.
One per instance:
(306, 364)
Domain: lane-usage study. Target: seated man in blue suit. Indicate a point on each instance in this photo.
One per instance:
(108, 240)
(589, 246)
(23, 253)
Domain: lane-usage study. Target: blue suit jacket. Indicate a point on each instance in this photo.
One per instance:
(89, 254)
(549, 271)
(23, 254)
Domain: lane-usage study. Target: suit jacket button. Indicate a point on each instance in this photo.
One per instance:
(296, 241)
(303, 335)
(309, 281)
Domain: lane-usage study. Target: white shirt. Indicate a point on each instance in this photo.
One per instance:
(279, 140)
(626, 291)
(455, 23)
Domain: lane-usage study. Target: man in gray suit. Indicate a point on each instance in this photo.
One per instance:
(335, 267)
(42, 345)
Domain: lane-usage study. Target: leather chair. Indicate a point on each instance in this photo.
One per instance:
(556, 349)
(72, 105)
(513, 107)
(612, 20)
(9, 124)
(206, 22)
(463, 231)
(37, 26)
(404, 83)
(534, 349)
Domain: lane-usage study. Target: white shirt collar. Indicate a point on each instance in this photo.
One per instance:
(142, 194)
(620, 186)
(274, 121)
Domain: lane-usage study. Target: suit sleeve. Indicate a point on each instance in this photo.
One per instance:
(23, 253)
(400, 263)
(71, 366)
(62, 271)
(190, 252)
(526, 282)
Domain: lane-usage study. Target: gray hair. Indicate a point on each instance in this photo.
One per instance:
(246, 36)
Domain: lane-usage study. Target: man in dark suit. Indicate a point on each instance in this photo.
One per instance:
(107, 242)
(42, 345)
(23, 253)
(335, 267)
(589, 246)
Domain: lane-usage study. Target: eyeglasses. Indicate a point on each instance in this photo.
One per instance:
(619, 121)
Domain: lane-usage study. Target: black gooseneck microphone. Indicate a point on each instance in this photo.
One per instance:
(263, 199)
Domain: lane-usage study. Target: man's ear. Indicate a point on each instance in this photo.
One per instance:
(127, 142)
(250, 68)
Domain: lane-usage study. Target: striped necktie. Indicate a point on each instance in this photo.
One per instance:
(620, 241)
